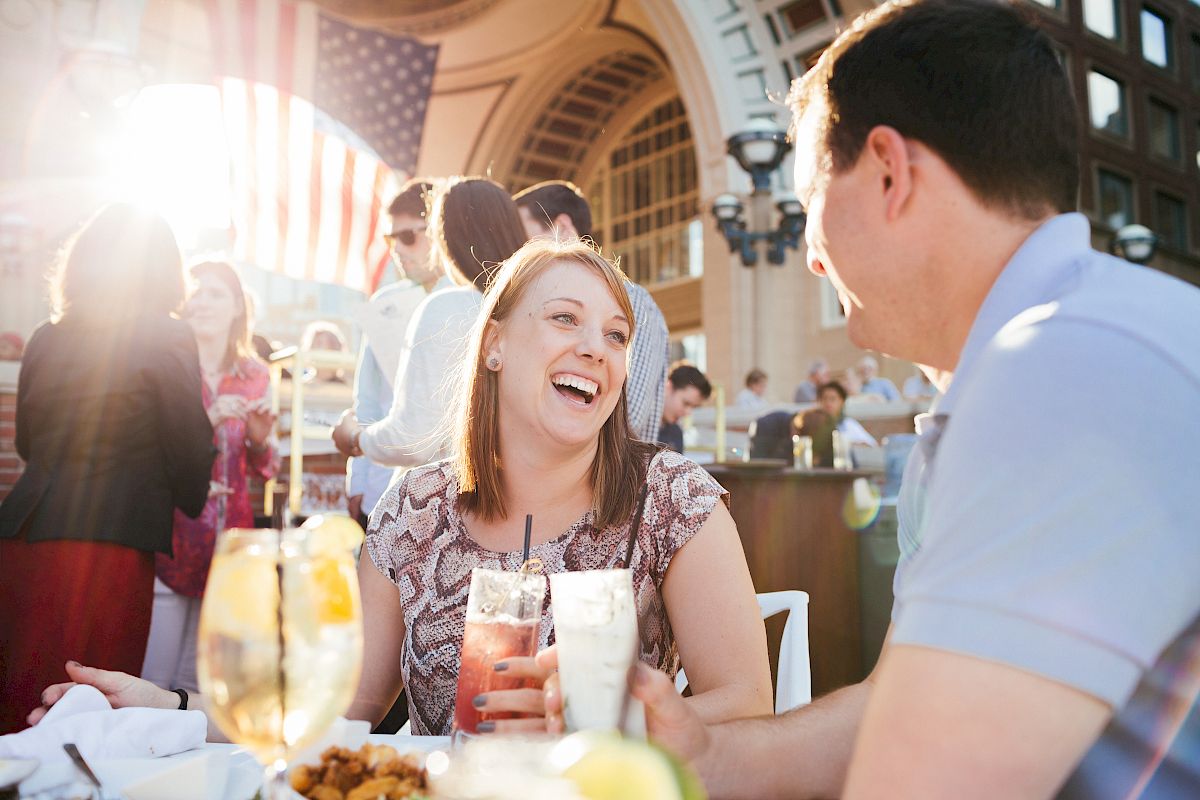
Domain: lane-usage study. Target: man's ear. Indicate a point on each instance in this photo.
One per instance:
(892, 157)
(564, 227)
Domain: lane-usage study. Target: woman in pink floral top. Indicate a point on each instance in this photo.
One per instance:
(235, 395)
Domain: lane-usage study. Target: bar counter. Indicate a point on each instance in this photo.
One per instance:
(791, 526)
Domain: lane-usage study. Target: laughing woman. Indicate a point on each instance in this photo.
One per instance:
(542, 430)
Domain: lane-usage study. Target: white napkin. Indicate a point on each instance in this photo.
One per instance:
(84, 717)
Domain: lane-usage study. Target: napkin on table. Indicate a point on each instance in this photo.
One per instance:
(84, 717)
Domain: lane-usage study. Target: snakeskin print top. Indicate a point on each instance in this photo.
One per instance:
(417, 538)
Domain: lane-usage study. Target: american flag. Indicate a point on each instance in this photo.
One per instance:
(323, 120)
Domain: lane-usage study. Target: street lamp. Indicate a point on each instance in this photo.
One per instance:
(1135, 243)
(759, 150)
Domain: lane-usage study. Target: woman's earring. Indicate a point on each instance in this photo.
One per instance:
(493, 363)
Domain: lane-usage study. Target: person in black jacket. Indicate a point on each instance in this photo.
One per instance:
(114, 436)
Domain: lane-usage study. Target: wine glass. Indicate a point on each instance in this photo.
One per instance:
(280, 641)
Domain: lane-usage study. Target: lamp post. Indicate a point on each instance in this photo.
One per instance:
(1135, 243)
(759, 150)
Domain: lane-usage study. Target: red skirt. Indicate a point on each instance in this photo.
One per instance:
(64, 600)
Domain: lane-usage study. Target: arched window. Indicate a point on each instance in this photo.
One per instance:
(645, 199)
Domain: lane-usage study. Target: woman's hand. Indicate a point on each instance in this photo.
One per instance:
(260, 421)
(121, 690)
(529, 702)
(226, 406)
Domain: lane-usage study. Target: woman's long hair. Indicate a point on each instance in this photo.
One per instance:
(619, 469)
(238, 346)
(123, 263)
(475, 226)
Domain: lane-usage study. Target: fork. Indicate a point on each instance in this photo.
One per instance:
(82, 765)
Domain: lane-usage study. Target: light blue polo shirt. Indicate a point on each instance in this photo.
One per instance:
(1050, 512)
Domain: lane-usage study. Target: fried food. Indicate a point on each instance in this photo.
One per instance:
(373, 772)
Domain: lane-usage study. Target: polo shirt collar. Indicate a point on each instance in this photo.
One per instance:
(1040, 266)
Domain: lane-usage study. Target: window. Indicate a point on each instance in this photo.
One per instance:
(1156, 39)
(803, 14)
(1163, 122)
(1116, 199)
(1196, 60)
(1170, 221)
(832, 313)
(1106, 100)
(1103, 17)
(645, 198)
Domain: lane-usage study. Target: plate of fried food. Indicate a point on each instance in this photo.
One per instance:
(372, 772)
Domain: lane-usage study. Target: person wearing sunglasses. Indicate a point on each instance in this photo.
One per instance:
(383, 321)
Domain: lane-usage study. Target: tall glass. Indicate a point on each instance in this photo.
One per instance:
(280, 642)
(504, 610)
(596, 630)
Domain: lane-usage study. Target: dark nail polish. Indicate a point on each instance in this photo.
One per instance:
(500, 666)
(485, 727)
(480, 701)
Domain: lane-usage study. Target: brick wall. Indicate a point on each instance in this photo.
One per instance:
(10, 465)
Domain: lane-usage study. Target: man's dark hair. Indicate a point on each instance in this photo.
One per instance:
(414, 198)
(835, 386)
(546, 200)
(687, 375)
(973, 80)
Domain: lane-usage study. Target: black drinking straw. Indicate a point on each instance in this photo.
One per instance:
(528, 533)
(637, 523)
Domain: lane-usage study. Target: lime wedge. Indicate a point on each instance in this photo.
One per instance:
(607, 767)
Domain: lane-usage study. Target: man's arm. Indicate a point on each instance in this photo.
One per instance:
(946, 725)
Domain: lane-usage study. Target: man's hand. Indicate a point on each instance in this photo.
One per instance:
(344, 434)
(121, 690)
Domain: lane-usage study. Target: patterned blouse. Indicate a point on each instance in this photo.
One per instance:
(417, 538)
(192, 540)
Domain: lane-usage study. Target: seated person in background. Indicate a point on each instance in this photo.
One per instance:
(868, 371)
(11, 346)
(322, 335)
(818, 375)
(832, 400)
(919, 387)
(755, 394)
(819, 426)
(687, 389)
(771, 435)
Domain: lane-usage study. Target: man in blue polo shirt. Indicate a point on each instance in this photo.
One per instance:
(1045, 637)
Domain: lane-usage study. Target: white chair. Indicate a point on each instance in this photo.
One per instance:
(794, 686)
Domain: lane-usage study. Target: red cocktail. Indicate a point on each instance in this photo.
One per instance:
(504, 610)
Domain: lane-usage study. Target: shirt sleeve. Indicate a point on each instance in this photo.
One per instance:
(646, 385)
(1057, 536)
(368, 408)
(682, 497)
(414, 431)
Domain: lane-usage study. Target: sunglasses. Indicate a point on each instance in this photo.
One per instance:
(406, 236)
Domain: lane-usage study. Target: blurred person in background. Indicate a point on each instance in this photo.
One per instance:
(687, 389)
(559, 210)
(918, 386)
(11, 346)
(323, 335)
(872, 384)
(818, 375)
(115, 437)
(754, 396)
(236, 395)
(831, 398)
(383, 323)
(474, 226)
